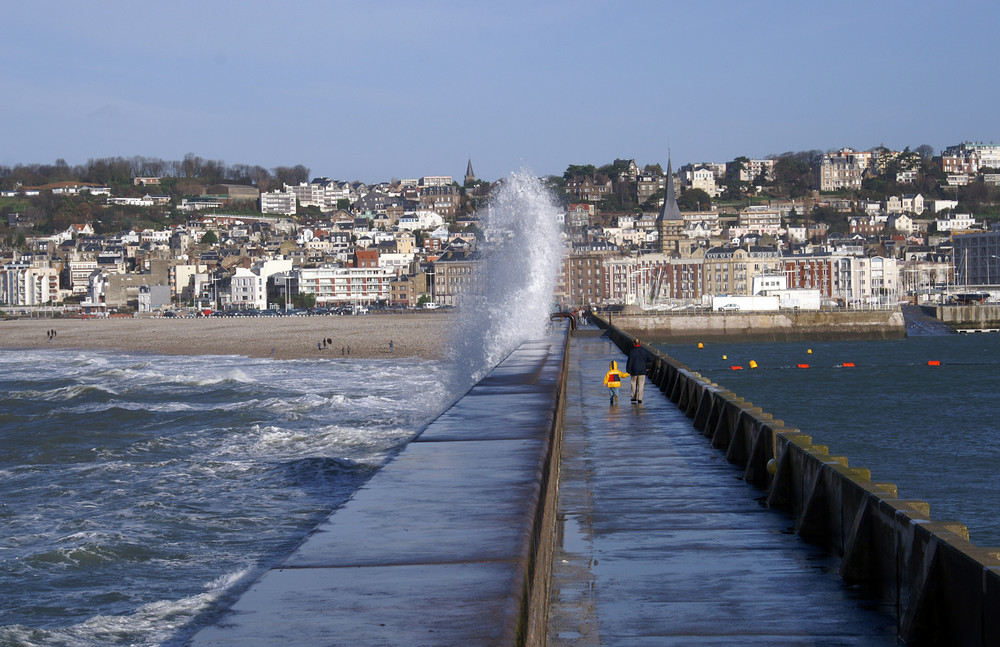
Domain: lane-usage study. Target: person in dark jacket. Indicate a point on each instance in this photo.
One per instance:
(638, 363)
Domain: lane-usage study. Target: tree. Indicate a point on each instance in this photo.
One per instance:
(694, 200)
(793, 174)
(574, 170)
(292, 175)
(304, 300)
(209, 238)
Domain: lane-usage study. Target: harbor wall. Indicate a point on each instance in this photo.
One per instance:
(449, 543)
(967, 317)
(945, 589)
(785, 325)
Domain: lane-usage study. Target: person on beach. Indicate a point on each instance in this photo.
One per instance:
(613, 380)
(392, 349)
(637, 365)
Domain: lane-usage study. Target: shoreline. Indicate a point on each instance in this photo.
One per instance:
(424, 335)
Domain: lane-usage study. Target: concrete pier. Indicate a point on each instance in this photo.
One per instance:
(660, 542)
(448, 544)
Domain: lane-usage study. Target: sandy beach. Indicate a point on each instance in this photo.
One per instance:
(413, 335)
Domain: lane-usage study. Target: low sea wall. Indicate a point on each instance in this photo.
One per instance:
(971, 317)
(449, 543)
(784, 325)
(945, 589)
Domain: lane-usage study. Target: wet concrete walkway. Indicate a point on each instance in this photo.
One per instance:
(661, 543)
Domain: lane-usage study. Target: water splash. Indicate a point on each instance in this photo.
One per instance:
(521, 253)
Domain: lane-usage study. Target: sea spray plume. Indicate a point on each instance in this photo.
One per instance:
(521, 253)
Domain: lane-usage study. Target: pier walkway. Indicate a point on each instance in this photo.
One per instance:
(659, 542)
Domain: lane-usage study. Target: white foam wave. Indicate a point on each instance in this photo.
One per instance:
(522, 254)
(160, 623)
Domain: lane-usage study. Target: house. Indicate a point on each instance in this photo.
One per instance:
(900, 222)
(589, 188)
(835, 173)
(700, 177)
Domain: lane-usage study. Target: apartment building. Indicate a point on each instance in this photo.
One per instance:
(247, 290)
(344, 285)
(730, 270)
(280, 202)
(456, 274)
(583, 279)
(24, 284)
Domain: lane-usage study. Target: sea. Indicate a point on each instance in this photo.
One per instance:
(921, 412)
(138, 493)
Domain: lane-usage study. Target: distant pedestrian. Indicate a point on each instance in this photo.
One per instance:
(638, 364)
(319, 345)
(391, 348)
(329, 341)
(341, 350)
(613, 380)
(348, 350)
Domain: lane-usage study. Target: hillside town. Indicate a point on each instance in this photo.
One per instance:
(846, 228)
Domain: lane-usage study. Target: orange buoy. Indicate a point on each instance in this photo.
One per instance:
(802, 365)
(847, 365)
(736, 368)
(934, 362)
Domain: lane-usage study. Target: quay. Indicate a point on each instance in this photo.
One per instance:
(532, 512)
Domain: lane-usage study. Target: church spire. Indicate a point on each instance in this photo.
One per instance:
(670, 209)
(470, 176)
(670, 218)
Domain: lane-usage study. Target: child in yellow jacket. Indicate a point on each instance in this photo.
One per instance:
(613, 380)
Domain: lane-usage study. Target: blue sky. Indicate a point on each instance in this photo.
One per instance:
(375, 90)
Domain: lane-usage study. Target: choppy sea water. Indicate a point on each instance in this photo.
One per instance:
(140, 493)
(933, 430)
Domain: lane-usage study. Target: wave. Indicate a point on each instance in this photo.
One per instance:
(163, 623)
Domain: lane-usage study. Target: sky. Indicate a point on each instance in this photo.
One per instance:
(374, 90)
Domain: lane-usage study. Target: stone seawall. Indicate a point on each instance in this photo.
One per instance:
(766, 326)
(972, 317)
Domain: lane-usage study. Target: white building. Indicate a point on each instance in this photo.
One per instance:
(247, 290)
(866, 282)
(420, 220)
(436, 180)
(957, 222)
(22, 284)
(308, 195)
(282, 202)
(702, 178)
(345, 285)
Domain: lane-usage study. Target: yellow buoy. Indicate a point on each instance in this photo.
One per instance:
(753, 364)
(725, 357)
(701, 345)
(809, 352)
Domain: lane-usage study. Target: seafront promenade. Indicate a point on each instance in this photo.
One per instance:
(533, 512)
